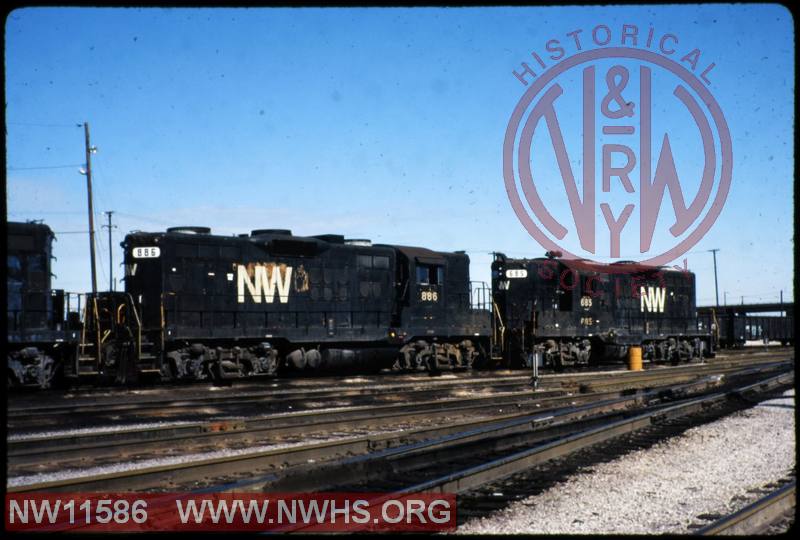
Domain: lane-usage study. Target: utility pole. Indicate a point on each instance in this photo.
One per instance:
(88, 172)
(725, 297)
(716, 287)
(110, 251)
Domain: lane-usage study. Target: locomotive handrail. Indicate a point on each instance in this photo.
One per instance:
(163, 323)
(98, 356)
(138, 325)
(483, 292)
(51, 318)
(499, 318)
(82, 343)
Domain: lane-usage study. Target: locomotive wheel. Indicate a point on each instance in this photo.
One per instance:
(170, 367)
(402, 362)
(272, 364)
(167, 373)
(46, 372)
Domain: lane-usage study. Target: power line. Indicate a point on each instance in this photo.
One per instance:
(45, 167)
(44, 124)
(45, 212)
(39, 124)
(144, 218)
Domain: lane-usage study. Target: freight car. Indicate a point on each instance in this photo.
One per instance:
(41, 340)
(769, 328)
(732, 326)
(199, 306)
(560, 312)
(727, 328)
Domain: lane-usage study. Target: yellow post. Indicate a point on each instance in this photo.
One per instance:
(634, 358)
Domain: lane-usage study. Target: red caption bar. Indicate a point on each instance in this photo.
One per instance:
(274, 512)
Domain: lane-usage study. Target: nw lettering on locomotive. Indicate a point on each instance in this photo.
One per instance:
(263, 280)
(653, 299)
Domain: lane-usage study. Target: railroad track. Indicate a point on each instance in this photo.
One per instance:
(758, 517)
(475, 476)
(25, 417)
(406, 476)
(59, 449)
(254, 469)
(266, 462)
(283, 398)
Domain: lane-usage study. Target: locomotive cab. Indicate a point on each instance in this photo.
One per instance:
(441, 327)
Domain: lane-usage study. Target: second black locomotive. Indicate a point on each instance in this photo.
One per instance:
(561, 312)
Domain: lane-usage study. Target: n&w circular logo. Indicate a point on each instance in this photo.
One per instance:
(617, 141)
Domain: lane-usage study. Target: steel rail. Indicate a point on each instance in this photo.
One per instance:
(756, 517)
(174, 474)
(140, 407)
(497, 469)
(281, 394)
(85, 445)
(113, 404)
(164, 476)
(118, 444)
(37, 449)
(503, 467)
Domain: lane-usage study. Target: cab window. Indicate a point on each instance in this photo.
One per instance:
(429, 274)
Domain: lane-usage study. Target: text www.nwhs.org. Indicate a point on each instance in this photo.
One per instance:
(230, 512)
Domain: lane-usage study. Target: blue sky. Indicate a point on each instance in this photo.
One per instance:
(374, 123)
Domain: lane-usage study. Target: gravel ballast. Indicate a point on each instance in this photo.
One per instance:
(663, 489)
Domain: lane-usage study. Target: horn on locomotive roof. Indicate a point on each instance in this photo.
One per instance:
(189, 230)
(553, 254)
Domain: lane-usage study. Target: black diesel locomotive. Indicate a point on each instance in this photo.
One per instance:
(560, 312)
(198, 305)
(202, 306)
(41, 338)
